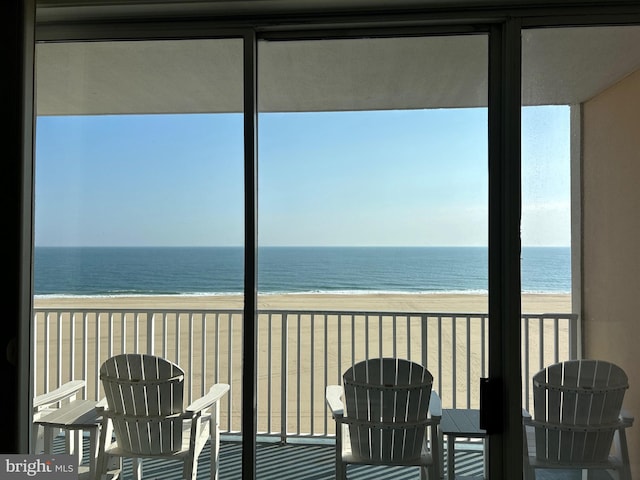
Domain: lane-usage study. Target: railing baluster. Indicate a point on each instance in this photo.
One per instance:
(439, 329)
(123, 332)
(230, 366)
(85, 351)
(203, 357)
(353, 339)
(216, 374)
(326, 371)
(136, 333)
(339, 369)
(312, 371)
(425, 336)
(485, 326)
(454, 361)
(165, 335)
(284, 376)
(366, 335)
(34, 354)
(541, 340)
(395, 336)
(72, 346)
(408, 336)
(380, 342)
(190, 358)
(98, 357)
(556, 340)
(468, 361)
(110, 334)
(269, 371)
(59, 352)
(151, 333)
(298, 378)
(178, 333)
(527, 367)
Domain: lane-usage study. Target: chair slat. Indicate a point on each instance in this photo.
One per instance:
(584, 413)
(145, 431)
(152, 392)
(414, 439)
(569, 397)
(553, 403)
(398, 446)
(415, 406)
(611, 405)
(390, 377)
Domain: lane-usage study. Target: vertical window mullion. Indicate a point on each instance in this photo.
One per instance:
(505, 425)
(249, 337)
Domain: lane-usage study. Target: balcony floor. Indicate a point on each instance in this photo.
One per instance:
(316, 462)
(303, 461)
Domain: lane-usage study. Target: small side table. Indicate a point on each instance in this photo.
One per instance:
(74, 417)
(461, 423)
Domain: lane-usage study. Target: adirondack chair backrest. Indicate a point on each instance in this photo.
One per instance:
(576, 408)
(386, 404)
(145, 400)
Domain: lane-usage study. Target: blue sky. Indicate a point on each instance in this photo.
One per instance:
(345, 178)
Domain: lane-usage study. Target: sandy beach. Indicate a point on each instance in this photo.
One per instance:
(467, 303)
(316, 349)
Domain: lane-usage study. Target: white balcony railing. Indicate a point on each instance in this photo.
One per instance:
(299, 353)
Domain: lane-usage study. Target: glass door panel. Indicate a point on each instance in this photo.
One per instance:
(581, 98)
(373, 194)
(546, 238)
(139, 212)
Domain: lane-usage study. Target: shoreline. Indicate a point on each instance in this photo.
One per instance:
(431, 302)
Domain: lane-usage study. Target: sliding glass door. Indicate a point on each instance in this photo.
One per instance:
(139, 212)
(373, 223)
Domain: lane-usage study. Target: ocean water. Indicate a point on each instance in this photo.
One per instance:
(111, 271)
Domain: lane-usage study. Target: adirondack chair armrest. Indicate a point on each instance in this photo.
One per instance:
(435, 406)
(63, 392)
(214, 395)
(626, 418)
(334, 400)
(102, 405)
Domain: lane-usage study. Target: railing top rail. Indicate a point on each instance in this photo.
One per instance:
(289, 311)
(136, 310)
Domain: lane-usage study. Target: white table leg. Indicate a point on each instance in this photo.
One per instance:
(48, 439)
(93, 450)
(451, 457)
(74, 444)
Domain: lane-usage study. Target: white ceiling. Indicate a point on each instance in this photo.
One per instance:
(560, 66)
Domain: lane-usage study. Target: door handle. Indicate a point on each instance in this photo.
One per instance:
(490, 405)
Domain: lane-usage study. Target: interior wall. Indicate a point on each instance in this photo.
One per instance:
(611, 237)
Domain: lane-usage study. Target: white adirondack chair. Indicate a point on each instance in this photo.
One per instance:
(46, 403)
(144, 416)
(390, 416)
(576, 418)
